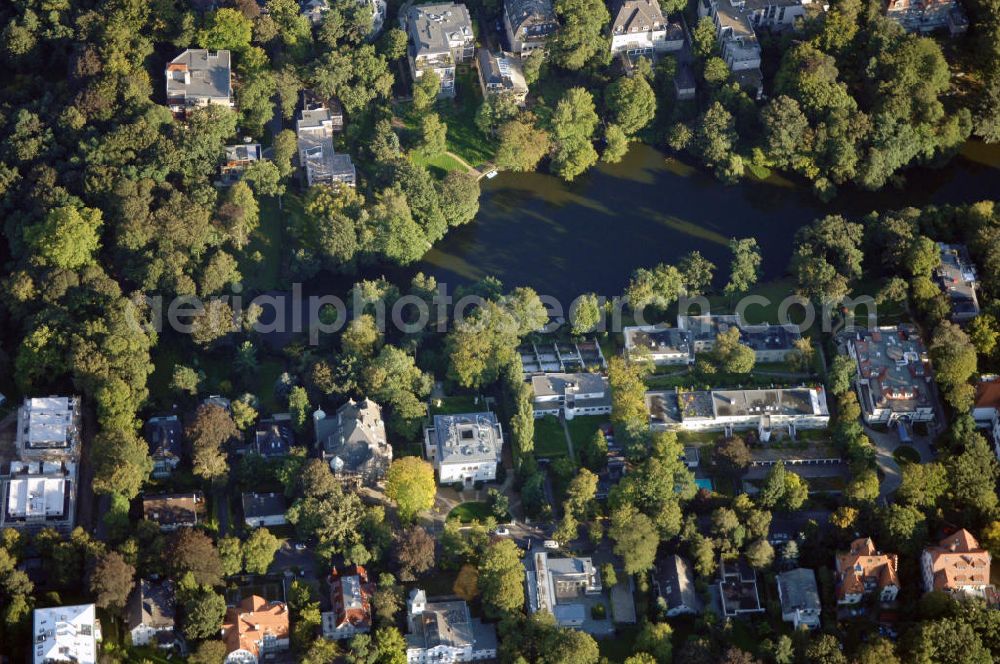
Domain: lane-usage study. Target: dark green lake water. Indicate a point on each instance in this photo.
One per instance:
(564, 239)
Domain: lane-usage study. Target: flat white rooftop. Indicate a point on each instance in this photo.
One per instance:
(66, 634)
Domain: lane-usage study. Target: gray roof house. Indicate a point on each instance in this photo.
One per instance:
(499, 74)
(353, 441)
(440, 37)
(264, 509)
(561, 587)
(165, 437)
(236, 159)
(464, 448)
(673, 582)
(274, 437)
(799, 598)
(150, 614)
(640, 28)
(528, 24)
(314, 129)
(445, 631)
(199, 77)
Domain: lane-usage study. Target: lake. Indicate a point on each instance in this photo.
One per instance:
(564, 239)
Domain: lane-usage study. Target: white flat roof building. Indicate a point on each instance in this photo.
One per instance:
(48, 427)
(66, 634)
(464, 448)
(39, 494)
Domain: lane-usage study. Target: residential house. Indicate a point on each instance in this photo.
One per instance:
(609, 476)
(673, 583)
(274, 437)
(165, 437)
(928, 15)
(39, 494)
(734, 28)
(957, 277)
(65, 634)
(501, 75)
(766, 410)
(568, 395)
(770, 343)
(893, 378)
(562, 356)
(351, 599)
(150, 614)
(864, 570)
(558, 585)
(264, 509)
(441, 37)
(639, 28)
(685, 84)
(445, 631)
(986, 409)
(799, 597)
(315, 129)
(199, 77)
(173, 511)
(660, 345)
(255, 629)
(691, 456)
(236, 159)
(48, 429)
(776, 14)
(353, 442)
(464, 448)
(958, 566)
(737, 588)
(528, 24)
(315, 10)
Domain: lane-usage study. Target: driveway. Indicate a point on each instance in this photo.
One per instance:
(885, 444)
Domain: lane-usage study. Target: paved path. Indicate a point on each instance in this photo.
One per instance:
(885, 444)
(569, 439)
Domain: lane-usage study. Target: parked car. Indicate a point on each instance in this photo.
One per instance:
(299, 546)
(502, 531)
(550, 544)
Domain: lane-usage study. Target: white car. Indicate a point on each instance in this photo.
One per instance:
(299, 546)
(502, 531)
(550, 544)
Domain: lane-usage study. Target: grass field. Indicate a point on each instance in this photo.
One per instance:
(582, 428)
(456, 404)
(439, 165)
(550, 439)
(262, 262)
(470, 511)
(464, 137)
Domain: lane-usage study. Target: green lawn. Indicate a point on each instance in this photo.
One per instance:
(464, 137)
(582, 428)
(470, 511)
(439, 165)
(550, 439)
(775, 292)
(621, 647)
(906, 454)
(455, 405)
(261, 263)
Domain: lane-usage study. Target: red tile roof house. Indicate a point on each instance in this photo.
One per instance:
(864, 570)
(350, 596)
(959, 566)
(253, 629)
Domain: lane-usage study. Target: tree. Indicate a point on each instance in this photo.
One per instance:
(212, 428)
(231, 555)
(190, 550)
(715, 136)
(704, 37)
(521, 144)
(573, 125)
(585, 313)
(467, 583)
(774, 486)
(731, 457)
(972, 476)
(459, 194)
(954, 359)
(208, 652)
(322, 651)
(609, 578)
(259, 550)
(864, 488)
(204, 611)
(112, 581)
(732, 355)
(635, 537)
(760, 554)
(659, 286)
(67, 238)
(410, 482)
(922, 484)
(414, 552)
(903, 527)
(121, 462)
(877, 651)
(825, 649)
(696, 272)
(948, 641)
(839, 377)
(433, 135)
(186, 379)
(425, 90)
(655, 639)
(796, 492)
(631, 103)
(264, 177)
(615, 144)
(298, 405)
(226, 29)
(744, 271)
(580, 39)
(501, 579)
